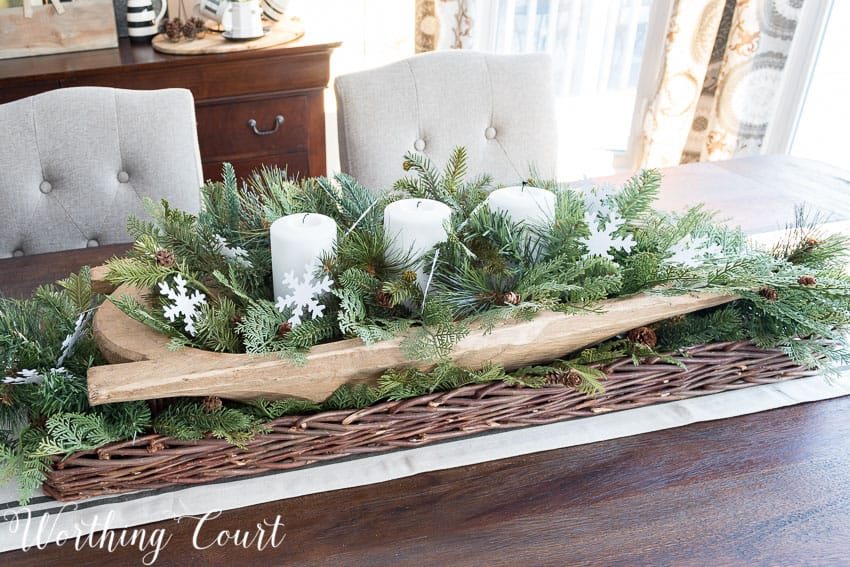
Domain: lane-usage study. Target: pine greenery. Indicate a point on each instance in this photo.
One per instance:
(795, 297)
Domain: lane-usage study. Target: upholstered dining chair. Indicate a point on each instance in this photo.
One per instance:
(499, 107)
(76, 162)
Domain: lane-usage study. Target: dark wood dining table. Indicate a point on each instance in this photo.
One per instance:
(770, 488)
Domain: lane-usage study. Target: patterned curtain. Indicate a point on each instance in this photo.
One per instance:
(445, 24)
(722, 70)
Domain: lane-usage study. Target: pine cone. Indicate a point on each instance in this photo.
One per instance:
(173, 29)
(164, 258)
(769, 293)
(511, 298)
(189, 31)
(406, 165)
(6, 399)
(409, 276)
(572, 378)
(370, 269)
(200, 28)
(807, 280)
(235, 320)
(644, 336)
(211, 403)
(284, 328)
(383, 299)
(809, 242)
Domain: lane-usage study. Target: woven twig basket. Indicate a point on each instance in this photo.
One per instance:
(157, 461)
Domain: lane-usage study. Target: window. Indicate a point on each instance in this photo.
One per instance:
(372, 32)
(821, 132)
(597, 48)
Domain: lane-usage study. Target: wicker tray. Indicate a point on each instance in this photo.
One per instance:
(157, 461)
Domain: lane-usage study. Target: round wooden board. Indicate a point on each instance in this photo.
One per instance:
(213, 42)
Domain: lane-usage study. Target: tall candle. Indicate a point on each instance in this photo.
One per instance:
(526, 204)
(414, 226)
(298, 240)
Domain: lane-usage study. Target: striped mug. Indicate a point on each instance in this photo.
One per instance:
(142, 21)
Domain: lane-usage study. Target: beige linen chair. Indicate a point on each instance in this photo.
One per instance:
(76, 162)
(499, 107)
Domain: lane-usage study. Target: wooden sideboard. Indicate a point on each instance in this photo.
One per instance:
(230, 91)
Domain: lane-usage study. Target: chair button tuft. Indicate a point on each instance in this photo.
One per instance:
(45, 187)
(123, 177)
(490, 133)
(92, 243)
(419, 145)
(18, 253)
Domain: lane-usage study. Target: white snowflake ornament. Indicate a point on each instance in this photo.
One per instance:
(305, 294)
(25, 376)
(597, 199)
(692, 252)
(235, 254)
(601, 240)
(71, 340)
(183, 303)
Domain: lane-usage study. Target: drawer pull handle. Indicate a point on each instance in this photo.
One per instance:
(278, 120)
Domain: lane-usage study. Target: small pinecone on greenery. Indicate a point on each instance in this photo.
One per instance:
(383, 299)
(164, 258)
(284, 328)
(769, 293)
(644, 336)
(409, 276)
(511, 298)
(6, 398)
(571, 378)
(235, 320)
(173, 29)
(809, 242)
(406, 165)
(211, 403)
(807, 280)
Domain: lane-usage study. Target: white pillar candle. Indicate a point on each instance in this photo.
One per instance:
(526, 204)
(297, 241)
(415, 226)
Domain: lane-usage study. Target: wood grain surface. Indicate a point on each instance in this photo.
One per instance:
(771, 488)
(213, 42)
(82, 25)
(150, 370)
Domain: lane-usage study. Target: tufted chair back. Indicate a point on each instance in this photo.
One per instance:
(499, 107)
(76, 162)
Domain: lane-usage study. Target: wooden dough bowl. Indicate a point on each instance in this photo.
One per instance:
(143, 368)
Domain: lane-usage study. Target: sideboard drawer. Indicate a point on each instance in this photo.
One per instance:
(225, 131)
(296, 165)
